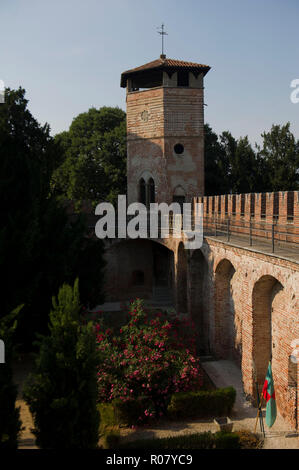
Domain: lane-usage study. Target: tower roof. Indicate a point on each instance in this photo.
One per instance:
(163, 64)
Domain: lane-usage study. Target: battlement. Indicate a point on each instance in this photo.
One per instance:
(281, 207)
(259, 215)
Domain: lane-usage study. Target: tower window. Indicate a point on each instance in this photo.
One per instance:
(180, 200)
(146, 191)
(179, 149)
(151, 191)
(142, 191)
(183, 78)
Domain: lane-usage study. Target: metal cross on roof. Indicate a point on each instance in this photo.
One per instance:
(163, 33)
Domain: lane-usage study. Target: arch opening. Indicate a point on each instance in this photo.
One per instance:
(181, 285)
(264, 292)
(196, 304)
(226, 344)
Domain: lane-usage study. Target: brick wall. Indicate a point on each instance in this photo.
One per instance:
(244, 304)
(157, 120)
(258, 295)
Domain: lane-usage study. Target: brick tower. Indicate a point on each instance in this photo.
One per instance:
(165, 121)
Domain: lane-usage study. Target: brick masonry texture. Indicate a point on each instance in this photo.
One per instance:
(157, 119)
(244, 303)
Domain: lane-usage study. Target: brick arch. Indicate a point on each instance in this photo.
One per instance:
(225, 345)
(265, 298)
(181, 284)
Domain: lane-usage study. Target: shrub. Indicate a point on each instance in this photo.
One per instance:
(205, 440)
(147, 358)
(128, 412)
(249, 440)
(10, 424)
(202, 404)
(62, 392)
(111, 439)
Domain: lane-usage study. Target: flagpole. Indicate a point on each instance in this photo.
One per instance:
(259, 415)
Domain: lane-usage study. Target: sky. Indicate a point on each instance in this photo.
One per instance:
(69, 55)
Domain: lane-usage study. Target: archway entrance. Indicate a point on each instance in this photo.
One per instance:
(140, 268)
(226, 346)
(196, 305)
(181, 284)
(264, 295)
(162, 266)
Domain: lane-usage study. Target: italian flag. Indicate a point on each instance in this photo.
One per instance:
(269, 396)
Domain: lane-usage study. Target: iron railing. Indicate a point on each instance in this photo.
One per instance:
(252, 231)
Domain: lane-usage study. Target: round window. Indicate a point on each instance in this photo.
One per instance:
(179, 149)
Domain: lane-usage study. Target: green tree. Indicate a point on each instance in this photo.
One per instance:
(40, 247)
(10, 424)
(216, 164)
(28, 156)
(94, 157)
(280, 155)
(62, 393)
(244, 168)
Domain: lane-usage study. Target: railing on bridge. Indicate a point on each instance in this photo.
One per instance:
(252, 230)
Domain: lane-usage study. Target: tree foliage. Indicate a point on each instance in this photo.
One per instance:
(280, 154)
(62, 392)
(40, 248)
(10, 424)
(233, 166)
(94, 157)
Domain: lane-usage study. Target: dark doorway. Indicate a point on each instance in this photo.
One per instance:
(162, 262)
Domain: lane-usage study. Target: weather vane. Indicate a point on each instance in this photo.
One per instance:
(163, 33)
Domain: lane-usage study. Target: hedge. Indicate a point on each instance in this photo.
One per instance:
(205, 440)
(123, 412)
(202, 404)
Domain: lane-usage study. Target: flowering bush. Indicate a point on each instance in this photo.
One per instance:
(147, 358)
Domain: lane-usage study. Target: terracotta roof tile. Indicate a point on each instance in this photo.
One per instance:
(164, 64)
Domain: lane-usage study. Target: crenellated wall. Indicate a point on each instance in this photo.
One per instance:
(258, 211)
(282, 206)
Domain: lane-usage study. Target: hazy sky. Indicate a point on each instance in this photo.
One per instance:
(69, 55)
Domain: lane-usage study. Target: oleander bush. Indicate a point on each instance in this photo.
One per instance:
(148, 357)
(202, 404)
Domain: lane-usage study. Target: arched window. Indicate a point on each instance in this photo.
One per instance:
(142, 191)
(151, 190)
(179, 196)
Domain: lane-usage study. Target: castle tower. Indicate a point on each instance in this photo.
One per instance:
(165, 139)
